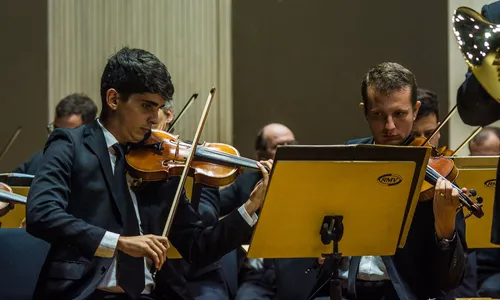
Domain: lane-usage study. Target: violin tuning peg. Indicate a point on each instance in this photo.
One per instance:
(479, 199)
(472, 193)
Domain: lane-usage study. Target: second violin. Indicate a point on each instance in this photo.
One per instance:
(441, 166)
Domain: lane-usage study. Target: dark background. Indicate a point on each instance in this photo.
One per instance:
(300, 63)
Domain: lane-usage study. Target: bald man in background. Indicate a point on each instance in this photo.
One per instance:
(486, 142)
(257, 278)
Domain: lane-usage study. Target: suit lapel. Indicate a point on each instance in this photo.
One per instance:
(93, 138)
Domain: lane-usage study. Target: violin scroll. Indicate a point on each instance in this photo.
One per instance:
(476, 207)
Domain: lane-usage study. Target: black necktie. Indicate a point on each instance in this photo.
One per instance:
(130, 270)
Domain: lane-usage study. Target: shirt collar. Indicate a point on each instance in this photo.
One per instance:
(108, 136)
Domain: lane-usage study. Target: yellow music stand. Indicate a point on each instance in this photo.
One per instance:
(361, 197)
(479, 173)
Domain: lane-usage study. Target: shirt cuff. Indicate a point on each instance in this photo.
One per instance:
(250, 220)
(108, 245)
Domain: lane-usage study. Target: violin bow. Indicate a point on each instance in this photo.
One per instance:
(446, 119)
(10, 142)
(12, 197)
(189, 160)
(188, 104)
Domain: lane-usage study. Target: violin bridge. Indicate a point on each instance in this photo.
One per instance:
(177, 149)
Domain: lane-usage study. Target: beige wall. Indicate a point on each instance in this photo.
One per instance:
(192, 37)
(456, 72)
(295, 62)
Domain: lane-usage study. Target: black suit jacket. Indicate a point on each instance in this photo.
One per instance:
(236, 194)
(72, 203)
(477, 108)
(421, 269)
(30, 166)
(488, 272)
(212, 275)
(418, 271)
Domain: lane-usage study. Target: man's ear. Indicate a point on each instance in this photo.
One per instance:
(415, 109)
(363, 108)
(112, 99)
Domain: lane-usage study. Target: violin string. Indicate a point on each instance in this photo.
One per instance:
(234, 160)
(229, 157)
(435, 176)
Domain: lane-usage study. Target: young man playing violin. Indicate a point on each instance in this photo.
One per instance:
(104, 236)
(433, 260)
(432, 263)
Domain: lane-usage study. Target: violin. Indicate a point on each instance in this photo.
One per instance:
(441, 166)
(445, 151)
(163, 155)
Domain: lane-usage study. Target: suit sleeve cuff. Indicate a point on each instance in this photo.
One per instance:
(108, 244)
(251, 220)
(446, 244)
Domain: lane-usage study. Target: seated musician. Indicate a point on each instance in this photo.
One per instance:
(208, 282)
(104, 236)
(256, 276)
(432, 262)
(165, 116)
(424, 125)
(428, 116)
(72, 111)
(487, 143)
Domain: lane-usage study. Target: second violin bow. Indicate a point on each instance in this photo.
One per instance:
(184, 109)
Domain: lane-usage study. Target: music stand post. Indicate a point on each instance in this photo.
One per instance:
(332, 229)
(348, 189)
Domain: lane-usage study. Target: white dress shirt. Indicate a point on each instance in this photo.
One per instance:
(371, 268)
(108, 243)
